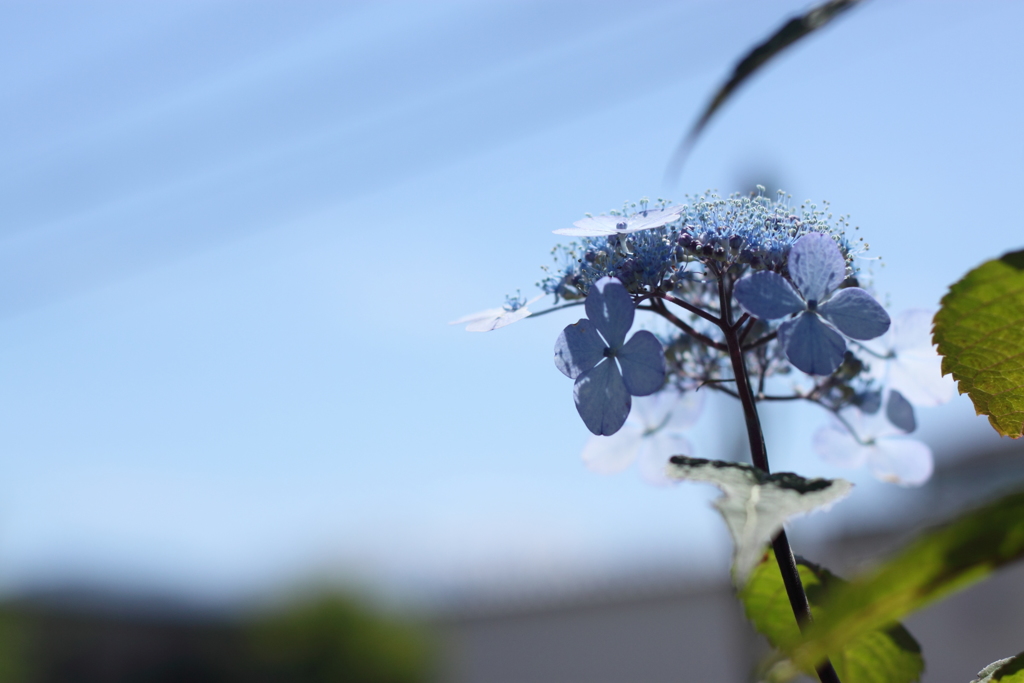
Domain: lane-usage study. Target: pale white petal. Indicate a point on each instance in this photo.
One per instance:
(655, 450)
(906, 462)
(653, 411)
(605, 222)
(878, 368)
(871, 427)
(597, 226)
(837, 446)
(650, 411)
(493, 318)
(655, 218)
(686, 410)
(911, 330)
(915, 368)
(506, 318)
(668, 409)
(585, 232)
(593, 226)
(608, 454)
(489, 314)
(918, 376)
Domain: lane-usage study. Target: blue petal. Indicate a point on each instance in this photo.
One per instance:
(856, 314)
(811, 345)
(900, 412)
(767, 296)
(816, 265)
(643, 364)
(601, 398)
(610, 307)
(578, 348)
(869, 401)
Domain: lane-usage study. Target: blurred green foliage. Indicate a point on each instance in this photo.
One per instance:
(14, 662)
(937, 564)
(888, 654)
(334, 638)
(327, 638)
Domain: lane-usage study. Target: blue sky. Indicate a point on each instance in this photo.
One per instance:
(232, 234)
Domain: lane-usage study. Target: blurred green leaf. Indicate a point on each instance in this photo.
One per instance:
(940, 562)
(792, 31)
(980, 333)
(887, 655)
(755, 505)
(1009, 670)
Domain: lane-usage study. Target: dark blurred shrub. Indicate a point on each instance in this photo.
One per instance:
(335, 639)
(14, 643)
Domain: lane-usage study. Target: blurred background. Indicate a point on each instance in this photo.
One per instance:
(231, 235)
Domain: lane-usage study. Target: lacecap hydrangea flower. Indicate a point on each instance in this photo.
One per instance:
(744, 284)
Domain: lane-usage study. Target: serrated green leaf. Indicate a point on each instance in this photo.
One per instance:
(887, 655)
(1009, 670)
(937, 564)
(979, 330)
(793, 30)
(756, 505)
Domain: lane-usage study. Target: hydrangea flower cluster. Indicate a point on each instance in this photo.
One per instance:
(764, 302)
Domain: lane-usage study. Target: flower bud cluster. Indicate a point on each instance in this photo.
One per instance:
(748, 233)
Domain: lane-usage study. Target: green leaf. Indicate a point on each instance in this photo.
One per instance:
(887, 655)
(938, 563)
(792, 31)
(980, 333)
(1009, 670)
(755, 505)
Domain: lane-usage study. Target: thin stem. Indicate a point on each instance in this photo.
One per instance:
(659, 307)
(746, 330)
(724, 390)
(682, 303)
(554, 308)
(763, 362)
(758, 451)
(883, 356)
(716, 384)
(760, 342)
(813, 399)
(759, 456)
(849, 428)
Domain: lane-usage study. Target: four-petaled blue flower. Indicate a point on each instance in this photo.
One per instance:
(607, 368)
(817, 268)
